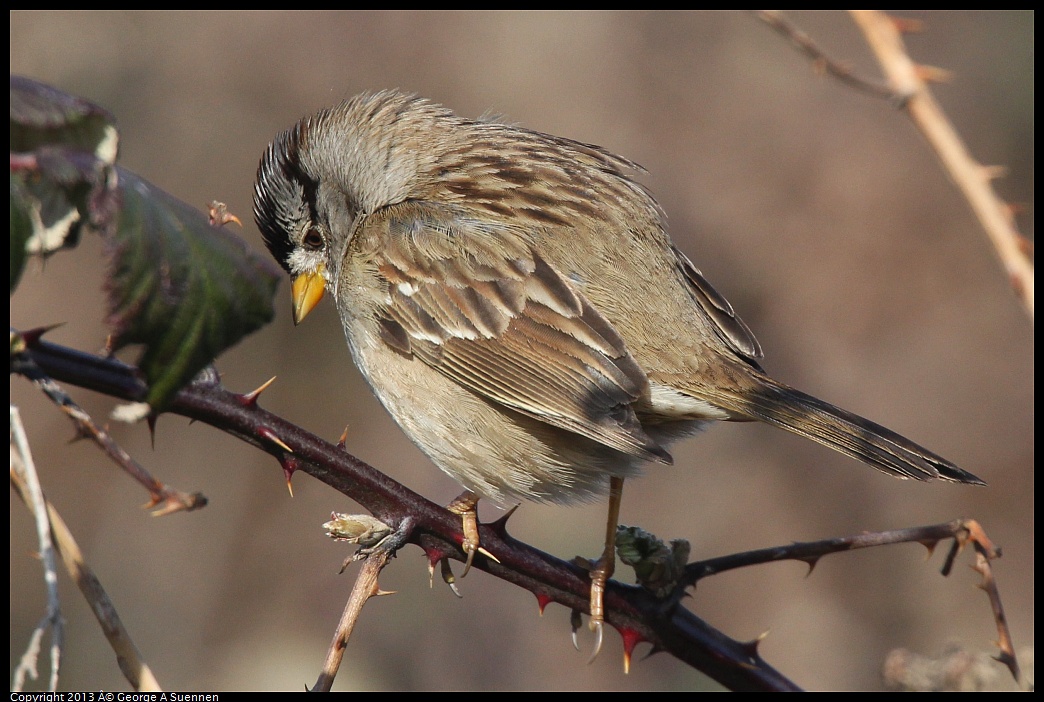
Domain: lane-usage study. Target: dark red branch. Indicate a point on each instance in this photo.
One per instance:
(666, 625)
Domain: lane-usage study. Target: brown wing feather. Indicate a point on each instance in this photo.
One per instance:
(489, 313)
(730, 328)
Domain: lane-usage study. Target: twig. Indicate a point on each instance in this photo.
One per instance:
(374, 558)
(128, 657)
(638, 615)
(23, 474)
(163, 499)
(985, 552)
(779, 22)
(908, 90)
(962, 531)
(810, 552)
(973, 179)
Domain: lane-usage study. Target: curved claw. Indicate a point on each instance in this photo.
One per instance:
(596, 626)
(447, 577)
(471, 557)
(574, 624)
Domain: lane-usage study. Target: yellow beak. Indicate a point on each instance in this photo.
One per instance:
(306, 291)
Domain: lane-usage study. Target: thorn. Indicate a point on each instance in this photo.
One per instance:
(343, 439)
(930, 545)
(24, 162)
(542, 602)
(435, 556)
(653, 651)
(382, 593)
(79, 434)
(933, 74)
(1013, 210)
(32, 336)
(994, 172)
(574, 622)
(266, 433)
(1025, 245)
(289, 464)
(151, 421)
(751, 647)
(500, 525)
(811, 563)
(487, 554)
(250, 399)
(631, 638)
(907, 25)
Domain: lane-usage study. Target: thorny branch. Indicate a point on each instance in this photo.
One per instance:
(636, 613)
(909, 90)
(778, 21)
(163, 499)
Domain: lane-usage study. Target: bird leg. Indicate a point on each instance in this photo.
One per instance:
(602, 569)
(466, 506)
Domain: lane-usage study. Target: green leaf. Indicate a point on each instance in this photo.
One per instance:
(183, 288)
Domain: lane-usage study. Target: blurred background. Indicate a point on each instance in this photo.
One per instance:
(817, 210)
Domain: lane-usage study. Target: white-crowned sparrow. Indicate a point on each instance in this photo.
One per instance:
(515, 303)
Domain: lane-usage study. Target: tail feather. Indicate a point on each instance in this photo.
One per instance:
(852, 435)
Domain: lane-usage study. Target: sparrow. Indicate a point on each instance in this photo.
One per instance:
(516, 304)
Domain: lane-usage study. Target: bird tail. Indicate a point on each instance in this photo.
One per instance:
(852, 435)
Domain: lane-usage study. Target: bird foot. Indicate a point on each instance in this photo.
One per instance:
(600, 571)
(466, 505)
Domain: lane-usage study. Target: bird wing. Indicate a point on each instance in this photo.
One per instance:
(729, 327)
(474, 301)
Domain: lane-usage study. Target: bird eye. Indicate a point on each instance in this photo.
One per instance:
(313, 239)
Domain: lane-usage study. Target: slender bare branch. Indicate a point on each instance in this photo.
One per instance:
(24, 477)
(908, 89)
(375, 554)
(128, 657)
(973, 179)
(779, 22)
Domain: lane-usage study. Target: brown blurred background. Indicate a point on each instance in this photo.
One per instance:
(818, 211)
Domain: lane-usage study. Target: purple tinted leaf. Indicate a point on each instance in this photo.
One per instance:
(183, 288)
